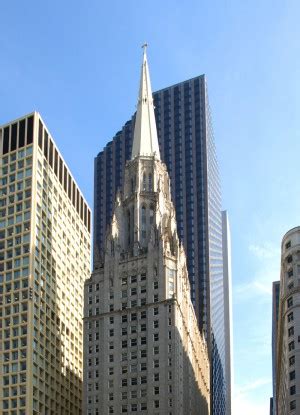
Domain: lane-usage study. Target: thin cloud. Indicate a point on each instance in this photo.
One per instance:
(264, 251)
(244, 402)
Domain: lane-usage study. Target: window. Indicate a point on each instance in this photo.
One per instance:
(133, 407)
(155, 285)
(155, 311)
(156, 390)
(155, 324)
(288, 245)
(143, 314)
(290, 302)
(133, 342)
(143, 406)
(290, 317)
(289, 259)
(156, 404)
(290, 272)
(124, 318)
(291, 331)
(133, 279)
(293, 405)
(293, 390)
(292, 375)
(291, 345)
(292, 360)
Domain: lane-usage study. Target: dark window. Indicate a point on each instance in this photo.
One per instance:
(60, 170)
(292, 375)
(89, 220)
(74, 194)
(290, 317)
(288, 245)
(85, 214)
(22, 132)
(290, 302)
(46, 138)
(293, 390)
(69, 186)
(65, 178)
(6, 140)
(291, 331)
(293, 405)
(51, 153)
(55, 162)
(29, 130)
(77, 202)
(81, 207)
(40, 135)
(292, 360)
(13, 140)
(289, 259)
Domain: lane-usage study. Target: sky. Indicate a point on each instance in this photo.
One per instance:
(78, 63)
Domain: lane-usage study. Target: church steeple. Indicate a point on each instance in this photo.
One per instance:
(145, 141)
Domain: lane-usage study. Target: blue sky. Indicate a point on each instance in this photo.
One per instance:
(78, 63)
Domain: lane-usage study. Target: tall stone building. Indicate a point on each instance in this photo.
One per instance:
(143, 351)
(186, 143)
(44, 261)
(288, 329)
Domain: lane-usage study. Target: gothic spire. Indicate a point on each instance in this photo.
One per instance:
(145, 141)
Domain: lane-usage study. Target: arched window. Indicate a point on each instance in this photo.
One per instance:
(144, 182)
(132, 185)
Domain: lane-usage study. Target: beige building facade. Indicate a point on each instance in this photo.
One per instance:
(44, 259)
(288, 330)
(143, 352)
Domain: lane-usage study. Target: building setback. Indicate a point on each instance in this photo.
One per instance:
(44, 261)
(187, 148)
(143, 351)
(288, 335)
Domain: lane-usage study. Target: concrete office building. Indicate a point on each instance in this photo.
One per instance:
(275, 310)
(44, 261)
(187, 148)
(143, 352)
(288, 336)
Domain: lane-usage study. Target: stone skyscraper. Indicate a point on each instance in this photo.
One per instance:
(186, 144)
(143, 351)
(288, 330)
(44, 261)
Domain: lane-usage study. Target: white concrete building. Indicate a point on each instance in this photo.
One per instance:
(288, 337)
(143, 352)
(44, 260)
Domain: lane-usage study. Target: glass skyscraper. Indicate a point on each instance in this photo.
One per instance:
(187, 147)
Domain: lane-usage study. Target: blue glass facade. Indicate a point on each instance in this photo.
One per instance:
(187, 147)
